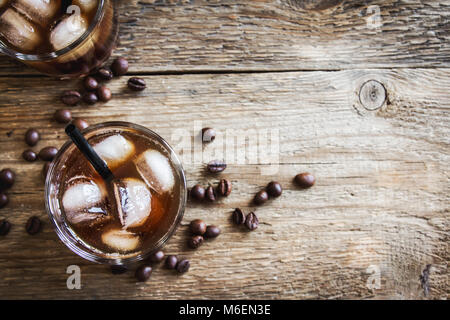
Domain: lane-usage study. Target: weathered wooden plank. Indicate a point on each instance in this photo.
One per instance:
(194, 36)
(380, 202)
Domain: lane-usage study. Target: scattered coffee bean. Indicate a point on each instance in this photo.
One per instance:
(238, 216)
(5, 226)
(48, 153)
(104, 73)
(71, 97)
(29, 155)
(136, 84)
(274, 189)
(143, 273)
(216, 166)
(261, 197)
(208, 134)
(33, 225)
(183, 266)
(212, 232)
(80, 123)
(224, 188)
(32, 137)
(45, 169)
(251, 221)
(198, 192)
(63, 116)
(119, 66)
(104, 94)
(195, 241)
(157, 256)
(305, 180)
(171, 262)
(90, 98)
(197, 227)
(7, 178)
(210, 194)
(118, 269)
(90, 83)
(3, 199)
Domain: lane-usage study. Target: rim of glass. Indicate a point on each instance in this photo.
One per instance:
(52, 55)
(81, 250)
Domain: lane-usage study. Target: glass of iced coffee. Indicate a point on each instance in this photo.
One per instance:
(63, 38)
(126, 219)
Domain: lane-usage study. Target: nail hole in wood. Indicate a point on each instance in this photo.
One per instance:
(372, 95)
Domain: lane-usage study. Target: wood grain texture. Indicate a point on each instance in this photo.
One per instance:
(193, 36)
(380, 201)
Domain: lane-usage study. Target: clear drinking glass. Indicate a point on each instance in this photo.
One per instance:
(78, 59)
(54, 187)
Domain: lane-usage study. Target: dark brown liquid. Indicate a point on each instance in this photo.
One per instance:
(164, 207)
(88, 55)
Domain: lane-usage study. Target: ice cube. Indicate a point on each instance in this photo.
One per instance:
(114, 150)
(38, 11)
(120, 239)
(134, 201)
(18, 31)
(68, 30)
(86, 6)
(155, 170)
(84, 201)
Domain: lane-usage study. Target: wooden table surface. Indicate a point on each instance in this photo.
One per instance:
(357, 94)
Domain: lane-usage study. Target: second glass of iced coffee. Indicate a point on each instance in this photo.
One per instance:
(62, 38)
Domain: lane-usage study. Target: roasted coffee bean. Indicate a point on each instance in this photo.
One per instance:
(171, 262)
(32, 137)
(33, 225)
(104, 94)
(118, 269)
(3, 199)
(216, 166)
(143, 273)
(5, 226)
(105, 73)
(90, 98)
(29, 155)
(261, 197)
(198, 192)
(136, 84)
(119, 66)
(197, 227)
(48, 153)
(305, 180)
(195, 241)
(238, 216)
(251, 221)
(224, 188)
(7, 178)
(212, 232)
(208, 134)
(45, 169)
(80, 123)
(63, 116)
(210, 194)
(90, 83)
(71, 97)
(183, 266)
(157, 256)
(274, 189)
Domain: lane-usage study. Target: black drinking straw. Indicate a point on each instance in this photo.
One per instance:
(87, 150)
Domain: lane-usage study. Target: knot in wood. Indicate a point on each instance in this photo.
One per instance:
(372, 95)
